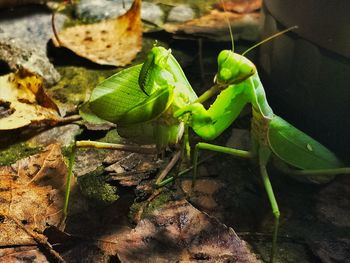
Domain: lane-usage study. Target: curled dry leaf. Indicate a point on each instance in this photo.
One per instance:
(239, 6)
(178, 232)
(23, 101)
(32, 193)
(111, 42)
(214, 26)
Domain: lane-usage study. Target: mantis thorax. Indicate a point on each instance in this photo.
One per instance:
(260, 126)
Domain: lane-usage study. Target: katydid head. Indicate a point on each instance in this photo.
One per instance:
(161, 56)
(158, 56)
(233, 68)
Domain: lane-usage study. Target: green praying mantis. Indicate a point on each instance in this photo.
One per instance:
(154, 103)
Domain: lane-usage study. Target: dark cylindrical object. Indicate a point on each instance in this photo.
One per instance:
(307, 72)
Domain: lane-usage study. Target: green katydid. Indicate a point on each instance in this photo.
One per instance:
(141, 100)
(238, 84)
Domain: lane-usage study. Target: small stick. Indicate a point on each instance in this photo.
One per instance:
(39, 238)
(172, 178)
(54, 29)
(169, 166)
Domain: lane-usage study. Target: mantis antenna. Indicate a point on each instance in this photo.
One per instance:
(269, 38)
(229, 25)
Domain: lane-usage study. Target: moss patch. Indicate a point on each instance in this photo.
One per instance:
(94, 187)
(17, 151)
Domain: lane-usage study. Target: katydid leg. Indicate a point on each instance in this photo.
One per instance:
(69, 179)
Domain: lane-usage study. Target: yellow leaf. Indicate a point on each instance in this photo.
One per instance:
(23, 101)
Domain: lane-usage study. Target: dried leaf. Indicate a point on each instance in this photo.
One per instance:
(178, 232)
(111, 42)
(214, 26)
(22, 254)
(239, 6)
(23, 101)
(31, 192)
(132, 168)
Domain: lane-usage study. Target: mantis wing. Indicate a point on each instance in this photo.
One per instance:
(298, 149)
(117, 95)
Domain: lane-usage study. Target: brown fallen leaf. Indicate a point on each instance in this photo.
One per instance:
(214, 26)
(22, 255)
(23, 101)
(178, 232)
(111, 42)
(132, 168)
(239, 6)
(31, 193)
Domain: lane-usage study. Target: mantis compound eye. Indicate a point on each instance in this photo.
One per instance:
(225, 74)
(228, 66)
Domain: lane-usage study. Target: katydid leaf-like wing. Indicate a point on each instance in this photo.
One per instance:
(117, 95)
(298, 149)
(150, 108)
(88, 116)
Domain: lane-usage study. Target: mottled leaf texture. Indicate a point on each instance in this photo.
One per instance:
(23, 101)
(178, 232)
(110, 42)
(31, 192)
(116, 95)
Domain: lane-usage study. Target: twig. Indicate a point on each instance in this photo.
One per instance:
(39, 238)
(54, 28)
(169, 166)
(172, 178)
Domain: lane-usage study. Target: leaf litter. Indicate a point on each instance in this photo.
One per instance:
(31, 199)
(110, 233)
(178, 232)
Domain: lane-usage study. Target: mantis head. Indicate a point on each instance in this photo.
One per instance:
(233, 68)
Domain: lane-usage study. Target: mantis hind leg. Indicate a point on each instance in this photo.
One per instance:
(264, 156)
(216, 148)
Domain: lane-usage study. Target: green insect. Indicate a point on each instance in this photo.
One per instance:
(141, 100)
(238, 84)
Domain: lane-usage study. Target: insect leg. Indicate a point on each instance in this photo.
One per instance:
(69, 179)
(216, 148)
(316, 172)
(264, 156)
